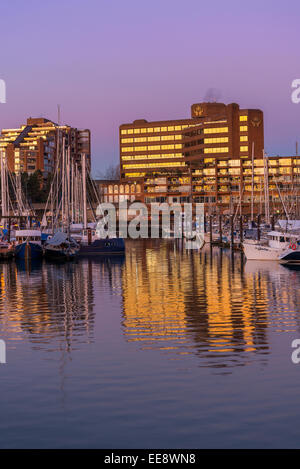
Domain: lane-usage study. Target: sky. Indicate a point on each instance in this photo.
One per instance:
(109, 62)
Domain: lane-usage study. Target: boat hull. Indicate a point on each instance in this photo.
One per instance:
(290, 257)
(59, 255)
(257, 252)
(102, 247)
(28, 250)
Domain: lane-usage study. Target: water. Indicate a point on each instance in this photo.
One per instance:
(165, 348)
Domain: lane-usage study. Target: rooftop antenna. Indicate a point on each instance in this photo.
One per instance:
(296, 148)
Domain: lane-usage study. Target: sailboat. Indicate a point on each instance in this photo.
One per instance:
(88, 236)
(27, 243)
(60, 247)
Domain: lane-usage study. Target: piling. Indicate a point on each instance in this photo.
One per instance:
(258, 227)
(210, 231)
(241, 231)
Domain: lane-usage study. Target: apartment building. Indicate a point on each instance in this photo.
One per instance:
(33, 146)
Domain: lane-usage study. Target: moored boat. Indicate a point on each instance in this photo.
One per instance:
(6, 250)
(28, 244)
(291, 255)
(270, 248)
(61, 248)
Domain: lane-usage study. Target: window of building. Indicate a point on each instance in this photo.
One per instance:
(244, 138)
(244, 148)
(244, 128)
(216, 140)
(216, 150)
(243, 118)
(216, 130)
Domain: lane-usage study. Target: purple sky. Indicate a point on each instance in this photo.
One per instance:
(110, 62)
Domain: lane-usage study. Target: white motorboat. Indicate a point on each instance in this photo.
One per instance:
(270, 248)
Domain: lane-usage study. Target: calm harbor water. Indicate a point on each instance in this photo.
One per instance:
(162, 348)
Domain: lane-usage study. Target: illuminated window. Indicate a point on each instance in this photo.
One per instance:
(153, 139)
(243, 118)
(216, 130)
(216, 150)
(140, 139)
(137, 131)
(130, 131)
(216, 140)
(126, 149)
(234, 162)
(234, 171)
(124, 131)
(154, 147)
(285, 161)
(140, 149)
(244, 128)
(177, 127)
(244, 148)
(244, 138)
(170, 128)
(156, 129)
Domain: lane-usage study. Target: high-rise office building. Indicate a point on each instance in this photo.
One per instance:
(214, 130)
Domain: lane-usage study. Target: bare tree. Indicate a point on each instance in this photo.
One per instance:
(112, 172)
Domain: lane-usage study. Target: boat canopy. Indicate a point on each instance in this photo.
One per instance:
(58, 239)
(277, 234)
(28, 233)
(289, 224)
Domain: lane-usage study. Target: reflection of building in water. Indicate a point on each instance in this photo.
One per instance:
(51, 302)
(187, 301)
(153, 296)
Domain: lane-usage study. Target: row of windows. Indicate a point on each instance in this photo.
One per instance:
(151, 139)
(154, 165)
(152, 156)
(148, 130)
(216, 140)
(122, 188)
(152, 147)
(216, 130)
(216, 150)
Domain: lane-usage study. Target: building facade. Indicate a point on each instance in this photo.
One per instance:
(34, 145)
(216, 157)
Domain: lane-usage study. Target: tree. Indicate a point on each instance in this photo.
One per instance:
(112, 172)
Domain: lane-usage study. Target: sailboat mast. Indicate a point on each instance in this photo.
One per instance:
(3, 188)
(266, 186)
(252, 185)
(83, 160)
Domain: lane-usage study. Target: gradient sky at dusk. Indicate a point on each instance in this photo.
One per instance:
(110, 62)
